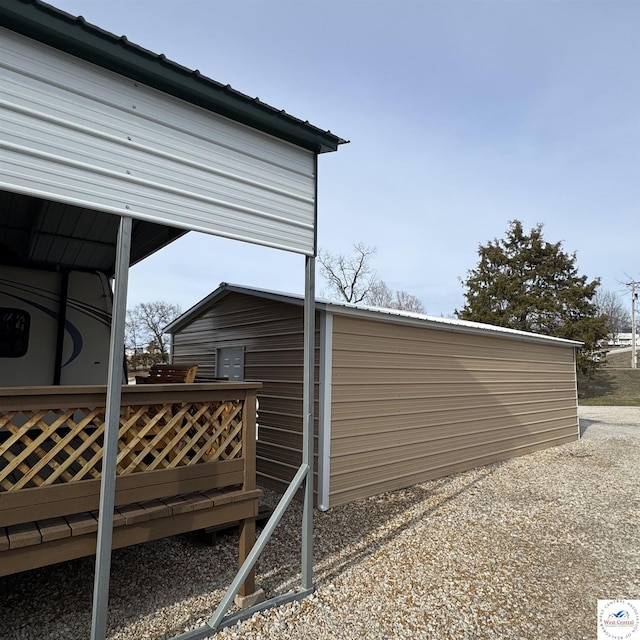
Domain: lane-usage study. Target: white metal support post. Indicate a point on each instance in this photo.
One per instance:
(110, 443)
(307, 426)
(303, 478)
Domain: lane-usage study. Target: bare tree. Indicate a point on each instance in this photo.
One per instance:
(408, 302)
(380, 295)
(610, 305)
(353, 279)
(134, 343)
(145, 328)
(350, 277)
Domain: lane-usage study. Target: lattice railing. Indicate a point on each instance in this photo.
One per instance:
(46, 446)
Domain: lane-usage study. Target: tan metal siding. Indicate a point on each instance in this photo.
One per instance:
(272, 336)
(410, 404)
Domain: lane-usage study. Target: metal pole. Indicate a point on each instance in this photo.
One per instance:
(634, 353)
(303, 475)
(254, 554)
(307, 425)
(110, 444)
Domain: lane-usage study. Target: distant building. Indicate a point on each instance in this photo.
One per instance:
(623, 340)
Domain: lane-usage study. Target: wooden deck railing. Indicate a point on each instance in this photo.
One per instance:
(54, 435)
(186, 460)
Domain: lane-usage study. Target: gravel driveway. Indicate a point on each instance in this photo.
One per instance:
(520, 549)
(599, 422)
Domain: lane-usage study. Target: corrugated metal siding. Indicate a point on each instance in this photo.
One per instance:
(412, 404)
(75, 133)
(272, 336)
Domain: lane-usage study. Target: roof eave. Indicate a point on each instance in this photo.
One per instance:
(199, 307)
(456, 326)
(75, 36)
(384, 315)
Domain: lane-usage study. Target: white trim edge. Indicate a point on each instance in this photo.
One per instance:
(324, 409)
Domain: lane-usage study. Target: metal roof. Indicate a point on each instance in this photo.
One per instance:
(372, 313)
(56, 28)
(49, 234)
(54, 235)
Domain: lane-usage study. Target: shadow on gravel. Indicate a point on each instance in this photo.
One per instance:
(377, 512)
(585, 424)
(612, 422)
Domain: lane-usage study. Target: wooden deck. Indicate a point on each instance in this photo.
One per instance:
(186, 461)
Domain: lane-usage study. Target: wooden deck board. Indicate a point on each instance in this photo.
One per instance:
(178, 504)
(4, 539)
(82, 523)
(118, 518)
(24, 534)
(156, 509)
(134, 513)
(227, 497)
(218, 497)
(16, 559)
(199, 501)
(54, 529)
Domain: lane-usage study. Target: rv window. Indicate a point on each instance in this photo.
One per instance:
(14, 332)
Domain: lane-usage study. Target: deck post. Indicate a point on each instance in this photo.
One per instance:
(245, 544)
(112, 425)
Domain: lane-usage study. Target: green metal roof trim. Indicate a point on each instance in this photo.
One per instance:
(51, 26)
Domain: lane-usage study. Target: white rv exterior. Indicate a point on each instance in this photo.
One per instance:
(54, 327)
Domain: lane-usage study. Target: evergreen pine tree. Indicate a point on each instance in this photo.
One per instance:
(527, 283)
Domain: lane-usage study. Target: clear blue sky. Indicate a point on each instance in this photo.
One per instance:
(462, 115)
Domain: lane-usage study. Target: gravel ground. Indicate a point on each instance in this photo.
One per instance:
(605, 422)
(520, 549)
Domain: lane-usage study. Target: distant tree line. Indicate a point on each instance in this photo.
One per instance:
(521, 281)
(618, 318)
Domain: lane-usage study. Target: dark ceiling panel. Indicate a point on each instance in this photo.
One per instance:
(36, 232)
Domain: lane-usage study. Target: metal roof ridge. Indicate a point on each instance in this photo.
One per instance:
(420, 318)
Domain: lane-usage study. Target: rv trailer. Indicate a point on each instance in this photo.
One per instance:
(54, 327)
